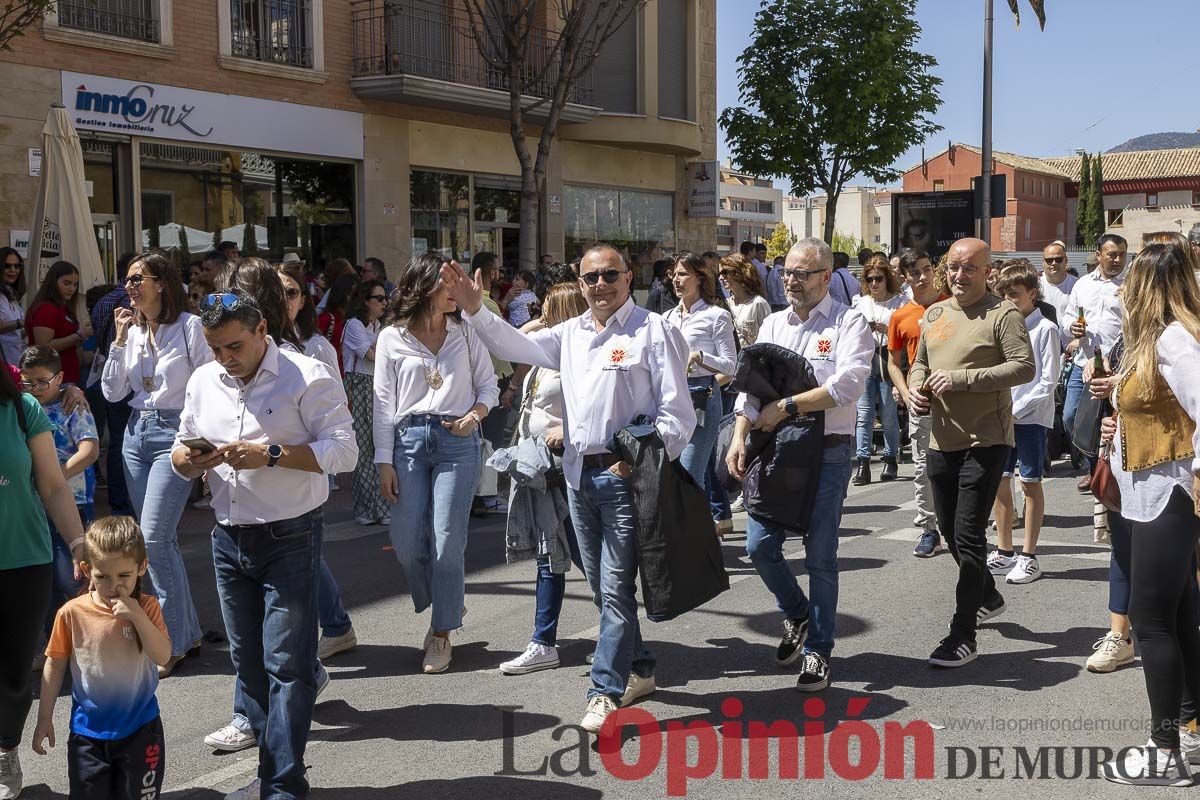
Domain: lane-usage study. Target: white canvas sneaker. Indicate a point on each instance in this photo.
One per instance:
(598, 709)
(536, 657)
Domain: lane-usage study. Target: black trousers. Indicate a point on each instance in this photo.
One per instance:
(964, 484)
(1162, 613)
(24, 598)
(118, 769)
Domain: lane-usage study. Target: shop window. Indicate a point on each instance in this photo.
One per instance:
(441, 214)
(128, 19)
(273, 31)
(640, 224)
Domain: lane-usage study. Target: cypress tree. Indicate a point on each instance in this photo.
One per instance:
(185, 251)
(1096, 206)
(1082, 211)
(249, 239)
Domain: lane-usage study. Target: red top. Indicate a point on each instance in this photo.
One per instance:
(56, 318)
(331, 326)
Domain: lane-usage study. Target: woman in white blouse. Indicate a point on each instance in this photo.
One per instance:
(880, 298)
(707, 326)
(156, 349)
(434, 383)
(746, 301)
(366, 308)
(12, 315)
(1156, 463)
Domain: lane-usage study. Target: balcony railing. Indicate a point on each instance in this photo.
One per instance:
(275, 31)
(430, 40)
(129, 19)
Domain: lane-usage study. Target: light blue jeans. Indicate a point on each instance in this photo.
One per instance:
(695, 456)
(158, 496)
(764, 545)
(437, 472)
(605, 523)
(878, 394)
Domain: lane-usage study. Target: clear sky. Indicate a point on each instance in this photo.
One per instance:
(1103, 71)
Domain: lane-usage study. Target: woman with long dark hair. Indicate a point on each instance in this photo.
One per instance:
(258, 279)
(56, 318)
(158, 345)
(331, 321)
(434, 383)
(303, 313)
(34, 487)
(881, 297)
(12, 314)
(366, 308)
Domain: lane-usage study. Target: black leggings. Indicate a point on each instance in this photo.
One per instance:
(1162, 614)
(24, 598)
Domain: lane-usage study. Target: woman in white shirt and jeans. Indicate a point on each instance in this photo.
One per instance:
(434, 384)
(880, 298)
(366, 307)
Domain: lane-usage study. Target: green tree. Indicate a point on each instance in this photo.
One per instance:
(1039, 9)
(249, 239)
(152, 237)
(16, 16)
(216, 242)
(1096, 204)
(1083, 218)
(821, 104)
(845, 243)
(185, 252)
(780, 242)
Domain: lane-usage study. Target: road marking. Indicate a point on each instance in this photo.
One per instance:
(217, 776)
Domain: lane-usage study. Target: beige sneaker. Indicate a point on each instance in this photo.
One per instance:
(598, 709)
(1112, 651)
(437, 657)
(330, 646)
(637, 688)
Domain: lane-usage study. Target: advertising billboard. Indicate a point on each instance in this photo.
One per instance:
(931, 221)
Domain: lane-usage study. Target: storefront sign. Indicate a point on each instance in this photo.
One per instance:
(703, 182)
(19, 241)
(35, 162)
(555, 204)
(115, 105)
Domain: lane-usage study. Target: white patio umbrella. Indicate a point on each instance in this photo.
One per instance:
(61, 210)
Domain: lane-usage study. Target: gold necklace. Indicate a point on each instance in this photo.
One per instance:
(433, 375)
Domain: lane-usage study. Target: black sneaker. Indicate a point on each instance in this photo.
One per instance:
(953, 652)
(791, 647)
(990, 609)
(815, 675)
(929, 545)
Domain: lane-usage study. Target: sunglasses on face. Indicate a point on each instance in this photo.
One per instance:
(136, 280)
(1056, 260)
(292, 294)
(609, 275)
(14, 266)
(380, 297)
(875, 279)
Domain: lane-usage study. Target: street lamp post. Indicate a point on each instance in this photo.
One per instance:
(985, 211)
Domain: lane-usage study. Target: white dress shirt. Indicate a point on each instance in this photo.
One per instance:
(1145, 493)
(749, 316)
(1058, 296)
(1097, 296)
(708, 330)
(321, 349)
(838, 344)
(1033, 402)
(292, 400)
(401, 387)
(634, 366)
(357, 339)
(168, 362)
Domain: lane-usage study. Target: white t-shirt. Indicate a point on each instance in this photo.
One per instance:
(875, 311)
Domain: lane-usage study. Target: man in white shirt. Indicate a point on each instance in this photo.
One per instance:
(837, 342)
(619, 363)
(1056, 286)
(279, 425)
(1095, 297)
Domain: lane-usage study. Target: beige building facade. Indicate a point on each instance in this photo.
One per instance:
(346, 132)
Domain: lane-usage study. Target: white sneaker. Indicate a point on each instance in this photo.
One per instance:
(332, 645)
(251, 791)
(637, 688)
(1112, 651)
(437, 656)
(999, 564)
(230, 739)
(1168, 768)
(598, 709)
(738, 505)
(1189, 744)
(11, 778)
(365, 522)
(1026, 570)
(536, 657)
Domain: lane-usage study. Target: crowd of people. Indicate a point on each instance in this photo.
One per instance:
(258, 383)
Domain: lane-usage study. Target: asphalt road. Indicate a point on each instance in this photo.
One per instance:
(384, 730)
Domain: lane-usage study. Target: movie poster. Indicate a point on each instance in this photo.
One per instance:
(931, 221)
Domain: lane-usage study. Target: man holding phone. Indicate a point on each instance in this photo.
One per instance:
(267, 425)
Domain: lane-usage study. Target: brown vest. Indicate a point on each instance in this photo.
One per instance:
(1162, 430)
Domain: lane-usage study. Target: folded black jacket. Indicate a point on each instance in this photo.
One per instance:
(679, 554)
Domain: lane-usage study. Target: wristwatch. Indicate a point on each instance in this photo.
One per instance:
(789, 405)
(274, 453)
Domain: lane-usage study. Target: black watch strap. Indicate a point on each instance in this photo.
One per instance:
(789, 405)
(274, 453)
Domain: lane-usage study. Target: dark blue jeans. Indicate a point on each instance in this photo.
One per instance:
(65, 587)
(267, 583)
(117, 418)
(549, 593)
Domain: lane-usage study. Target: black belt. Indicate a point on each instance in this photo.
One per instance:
(836, 439)
(600, 460)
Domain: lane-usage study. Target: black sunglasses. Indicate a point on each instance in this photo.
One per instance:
(609, 275)
(876, 279)
(136, 280)
(292, 294)
(380, 297)
(1056, 260)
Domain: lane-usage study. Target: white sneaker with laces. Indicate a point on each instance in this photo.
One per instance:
(332, 645)
(1189, 744)
(230, 739)
(1026, 570)
(537, 656)
(1112, 651)
(437, 656)
(598, 709)
(11, 778)
(1149, 765)
(637, 688)
(999, 564)
(738, 505)
(251, 791)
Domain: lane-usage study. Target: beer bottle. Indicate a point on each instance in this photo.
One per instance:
(1098, 370)
(924, 390)
(1081, 319)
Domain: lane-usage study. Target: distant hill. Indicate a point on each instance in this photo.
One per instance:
(1159, 141)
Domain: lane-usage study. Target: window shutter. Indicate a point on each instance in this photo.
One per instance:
(615, 71)
(673, 59)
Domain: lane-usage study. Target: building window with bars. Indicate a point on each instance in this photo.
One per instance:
(128, 19)
(274, 31)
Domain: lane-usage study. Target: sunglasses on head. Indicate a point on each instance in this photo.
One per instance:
(609, 275)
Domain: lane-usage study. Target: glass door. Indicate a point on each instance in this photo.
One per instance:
(105, 227)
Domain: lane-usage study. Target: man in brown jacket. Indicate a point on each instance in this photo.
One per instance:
(974, 349)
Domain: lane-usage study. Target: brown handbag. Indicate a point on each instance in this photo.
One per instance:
(1104, 483)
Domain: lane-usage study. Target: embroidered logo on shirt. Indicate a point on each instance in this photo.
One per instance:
(824, 345)
(616, 355)
(932, 314)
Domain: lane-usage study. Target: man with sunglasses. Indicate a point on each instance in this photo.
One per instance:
(278, 424)
(619, 362)
(1056, 286)
(837, 342)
